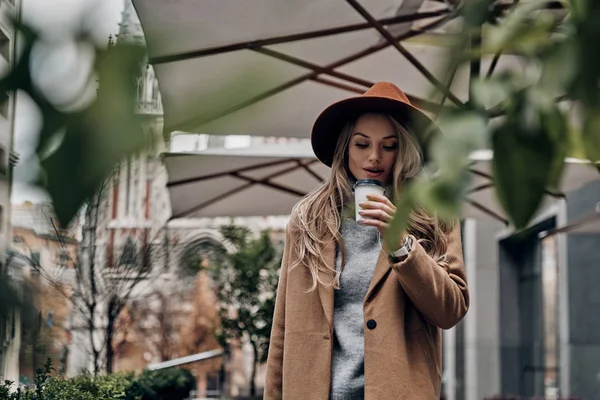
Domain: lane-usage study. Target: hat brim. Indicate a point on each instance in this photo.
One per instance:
(328, 126)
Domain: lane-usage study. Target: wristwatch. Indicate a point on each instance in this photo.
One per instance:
(401, 254)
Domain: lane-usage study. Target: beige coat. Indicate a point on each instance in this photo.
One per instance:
(409, 302)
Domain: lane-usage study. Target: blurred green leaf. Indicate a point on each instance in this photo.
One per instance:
(585, 37)
(478, 12)
(90, 141)
(19, 78)
(464, 132)
(523, 163)
(488, 93)
(444, 194)
(96, 139)
(399, 224)
(559, 69)
(525, 29)
(555, 125)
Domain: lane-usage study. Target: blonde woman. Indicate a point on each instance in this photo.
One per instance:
(352, 320)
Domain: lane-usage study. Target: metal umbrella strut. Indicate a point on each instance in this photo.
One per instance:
(261, 182)
(315, 52)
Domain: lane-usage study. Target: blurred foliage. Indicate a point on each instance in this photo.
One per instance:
(168, 384)
(246, 277)
(196, 256)
(527, 116)
(78, 147)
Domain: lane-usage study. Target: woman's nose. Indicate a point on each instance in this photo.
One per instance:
(374, 156)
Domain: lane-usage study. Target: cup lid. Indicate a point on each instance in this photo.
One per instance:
(368, 182)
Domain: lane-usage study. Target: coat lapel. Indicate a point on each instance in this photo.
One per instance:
(381, 269)
(326, 293)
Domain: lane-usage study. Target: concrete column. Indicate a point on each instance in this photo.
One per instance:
(580, 344)
(449, 357)
(563, 303)
(481, 325)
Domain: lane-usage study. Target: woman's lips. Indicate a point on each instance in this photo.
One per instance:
(373, 173)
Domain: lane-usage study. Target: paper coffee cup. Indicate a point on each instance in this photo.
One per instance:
(362, 188)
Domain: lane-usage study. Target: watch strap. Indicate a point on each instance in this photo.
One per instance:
(402, 252)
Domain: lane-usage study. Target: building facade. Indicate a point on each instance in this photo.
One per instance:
(531, 331)
(178, 313)
(9, 330)
(533, 328)
(49, 270)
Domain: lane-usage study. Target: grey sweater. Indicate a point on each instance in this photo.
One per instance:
(362, 248)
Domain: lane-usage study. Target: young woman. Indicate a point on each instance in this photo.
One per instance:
(353, 320)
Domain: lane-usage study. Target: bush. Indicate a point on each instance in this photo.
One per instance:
(170, 384)
(86, 387)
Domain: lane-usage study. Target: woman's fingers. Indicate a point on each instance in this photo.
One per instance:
(375, 205)
(381, 199)
(380, 225)
(376, 214)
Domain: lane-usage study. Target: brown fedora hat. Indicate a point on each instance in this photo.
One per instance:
(382, 98)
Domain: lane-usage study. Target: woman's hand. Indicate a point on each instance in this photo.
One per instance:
(377, 212)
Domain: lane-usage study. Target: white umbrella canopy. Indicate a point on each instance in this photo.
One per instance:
(294, 58)
(240, 183)
(288, 60)
(263, 182)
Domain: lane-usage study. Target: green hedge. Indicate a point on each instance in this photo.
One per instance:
(171, 384)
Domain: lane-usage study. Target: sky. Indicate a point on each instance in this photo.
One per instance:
(56, 18)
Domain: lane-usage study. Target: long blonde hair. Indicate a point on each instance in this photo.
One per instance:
(317, 217)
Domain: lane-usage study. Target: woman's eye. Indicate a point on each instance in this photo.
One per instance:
(390, 148)
(361, 145)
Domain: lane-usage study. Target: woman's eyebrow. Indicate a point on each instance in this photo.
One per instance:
(368, 137)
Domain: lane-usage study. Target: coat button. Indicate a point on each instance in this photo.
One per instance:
(371, 324)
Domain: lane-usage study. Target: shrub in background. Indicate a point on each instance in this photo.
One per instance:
(170, 384)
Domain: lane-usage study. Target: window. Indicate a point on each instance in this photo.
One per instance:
(3, 161)
(63, 258)
(155, 91)
(140, 89)
(4, 46)
(128, 186)
(35, 257)
(149, 256)
(212, 384)
(129, 256)
(13, 325)
(34, 273)
(4, 104)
